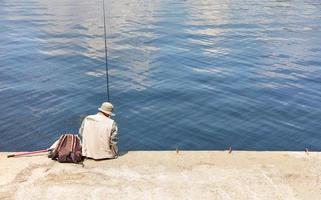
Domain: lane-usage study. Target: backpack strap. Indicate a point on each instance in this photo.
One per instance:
(76, 140)
(61, 141)
(72, 143)
(54, 154)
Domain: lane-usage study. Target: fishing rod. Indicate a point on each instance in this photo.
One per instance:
(106, 60)
(29, 153)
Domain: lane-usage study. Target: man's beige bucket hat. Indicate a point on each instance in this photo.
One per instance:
(107, 108)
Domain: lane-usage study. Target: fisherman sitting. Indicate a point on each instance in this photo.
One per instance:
(99, 134)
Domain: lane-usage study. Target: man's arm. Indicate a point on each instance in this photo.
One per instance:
(114, 139)
(81, 129)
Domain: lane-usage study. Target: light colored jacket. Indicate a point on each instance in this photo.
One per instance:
(99, 137)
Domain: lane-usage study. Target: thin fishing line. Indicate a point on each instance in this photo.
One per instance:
(106, 59)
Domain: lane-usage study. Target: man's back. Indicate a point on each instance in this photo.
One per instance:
(99, 137)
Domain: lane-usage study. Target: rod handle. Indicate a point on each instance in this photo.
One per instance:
(10, 156)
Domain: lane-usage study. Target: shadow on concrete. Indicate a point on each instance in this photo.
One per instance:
(120, 154)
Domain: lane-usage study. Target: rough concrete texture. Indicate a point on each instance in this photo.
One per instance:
(166, 175)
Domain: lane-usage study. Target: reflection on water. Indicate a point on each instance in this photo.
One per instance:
(187, 74)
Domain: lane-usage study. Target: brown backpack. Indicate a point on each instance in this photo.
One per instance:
(68, 149)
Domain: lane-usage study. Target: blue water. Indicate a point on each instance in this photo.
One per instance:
(196, 75)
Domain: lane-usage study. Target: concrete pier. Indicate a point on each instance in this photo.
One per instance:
(166, 175)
